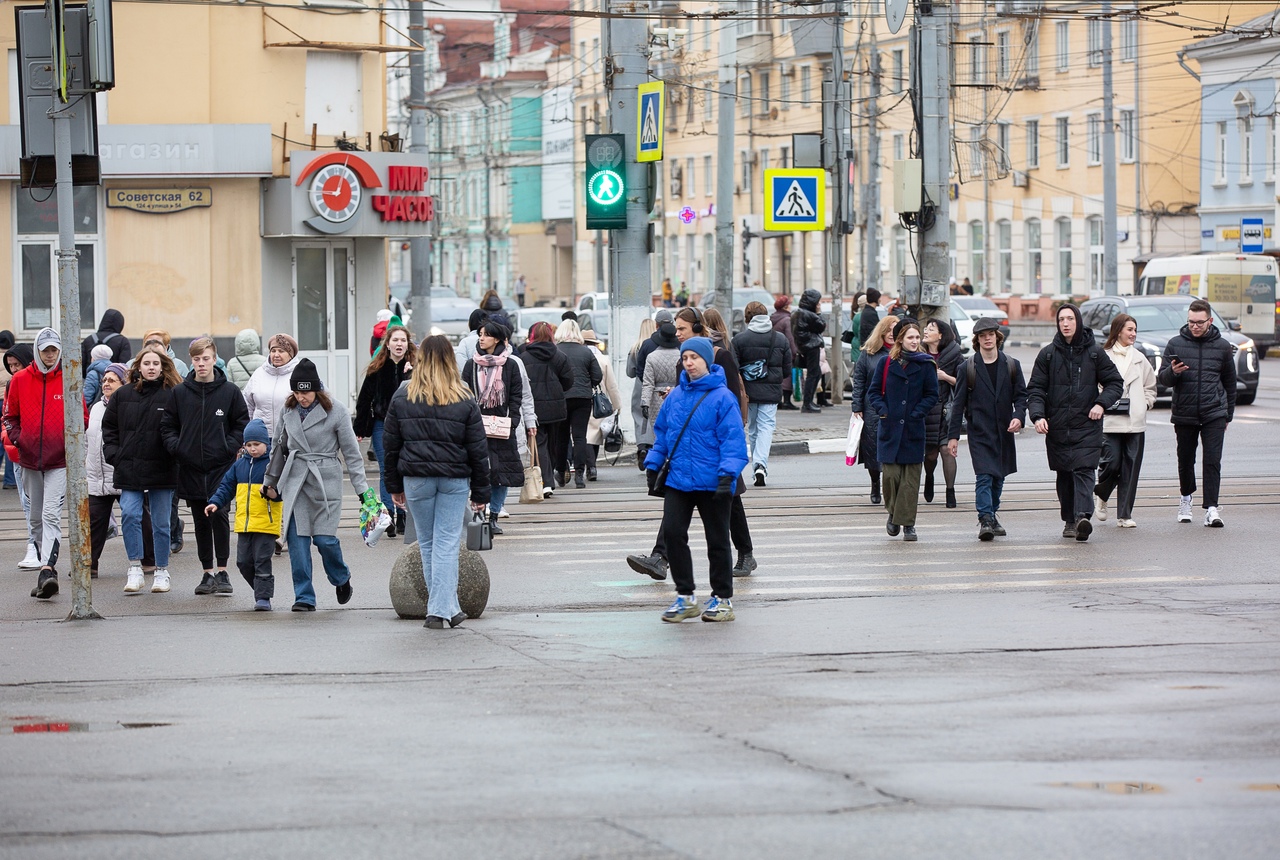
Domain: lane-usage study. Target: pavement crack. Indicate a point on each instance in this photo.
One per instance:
(643, 837)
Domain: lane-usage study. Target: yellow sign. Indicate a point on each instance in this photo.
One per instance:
(159, 201)
(650, 119)
(795, 199)
(1234, 232)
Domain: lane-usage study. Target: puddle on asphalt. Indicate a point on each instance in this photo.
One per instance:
(36, 726)
(1113, 787)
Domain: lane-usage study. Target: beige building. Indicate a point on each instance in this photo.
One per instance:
(218, 107)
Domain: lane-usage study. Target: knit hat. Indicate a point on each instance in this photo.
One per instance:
(99, 352)
(6, 340)
(902, 324)
(702, 346)
(256, 431)
(121, 372)
(305, 377)
(476, 319)
(285, 342)
(781, 303)
(382, 315)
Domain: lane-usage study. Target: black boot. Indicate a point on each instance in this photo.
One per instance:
(787, 403)
(985, 530)
(493, 523)
(928, 486)
(46, 584)
(391, 529)
(400, 522)
(875, 488)
(809, 407)
(951, 497)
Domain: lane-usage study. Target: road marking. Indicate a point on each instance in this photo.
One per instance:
(748, 583)
(951, 586)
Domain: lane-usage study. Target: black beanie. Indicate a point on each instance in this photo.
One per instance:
(305, 377)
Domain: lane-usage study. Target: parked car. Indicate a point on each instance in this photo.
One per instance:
(593, 302)
(449, 311)
(1161, 317)
(962, 325)
(741, 298)
(1241, 287)
(524, 318)
(981, 307)
(597, 321)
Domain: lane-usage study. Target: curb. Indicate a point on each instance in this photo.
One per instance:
(808, 446)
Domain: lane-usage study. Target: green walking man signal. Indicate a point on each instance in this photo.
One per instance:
(606, 182)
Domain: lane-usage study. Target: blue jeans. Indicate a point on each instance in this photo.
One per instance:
(762, 420)
(375, 442)
(438, 506)
(131, 502)
(497, 498)
(300, 562)
(986, 494)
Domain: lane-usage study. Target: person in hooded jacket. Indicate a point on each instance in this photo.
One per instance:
(781, 320)
(380, 323)
(111, 332)
(491, 304)
(809, 326)
(661, 375)
(145, 472)
(699, 429)
(17, 357)
(268, 388)
(101, 357)
(248, 358)
(870, 315)
(203, 428)
(100, 477)
(577, 400)
(6, 344)
(764, 360)
(389, 367)
(1072, 385)
(873, 349)
(550, 376)
(497, 385)
(903, 389)
(940, 342)
(609, 385)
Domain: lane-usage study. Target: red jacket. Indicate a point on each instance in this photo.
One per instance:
(33, 418)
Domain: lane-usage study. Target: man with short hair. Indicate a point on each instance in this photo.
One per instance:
(1201, 370)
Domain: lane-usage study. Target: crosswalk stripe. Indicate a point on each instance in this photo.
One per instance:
(951, 586)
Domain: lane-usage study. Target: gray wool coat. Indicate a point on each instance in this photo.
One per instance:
(306, 470)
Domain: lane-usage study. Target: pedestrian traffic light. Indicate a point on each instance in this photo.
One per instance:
(606, 182)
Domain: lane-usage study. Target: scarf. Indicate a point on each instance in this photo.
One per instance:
(1122, 356)
(492, 390)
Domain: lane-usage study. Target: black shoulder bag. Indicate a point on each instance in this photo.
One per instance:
(659, 487)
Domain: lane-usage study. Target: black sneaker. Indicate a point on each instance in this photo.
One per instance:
(591, 473)
(221, 584)
(654, 566)
(760, 473)
(909, 533)
(746, 564)
(985, 531)
(207, 585)
(434, 622)
(456, 621)
(46, 584)
(304, 607)
(996, 528)
(1084, 528)
(891, 527)
(1069, 530)
(344, 592)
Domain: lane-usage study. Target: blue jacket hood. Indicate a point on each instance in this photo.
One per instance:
(715, 377)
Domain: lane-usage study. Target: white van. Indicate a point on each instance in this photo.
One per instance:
(1241, 288)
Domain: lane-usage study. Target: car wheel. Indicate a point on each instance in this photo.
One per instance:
(1247, 397)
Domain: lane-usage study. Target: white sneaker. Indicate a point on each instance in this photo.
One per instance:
(1184, 510)
(1128, 524)
(1100, 509)
(133, 582)
(1212, 519)
(503, 515)
(32, 559)
(160, 582)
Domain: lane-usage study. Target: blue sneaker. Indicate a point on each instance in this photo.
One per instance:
(685, 606)
(718, 609)
(262, 606)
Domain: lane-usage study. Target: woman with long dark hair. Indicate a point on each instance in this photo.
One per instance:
(382, 378)
(495, 382)
(940, 342)
(1124, 434)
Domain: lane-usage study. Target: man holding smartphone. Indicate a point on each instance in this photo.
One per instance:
(1199, 367)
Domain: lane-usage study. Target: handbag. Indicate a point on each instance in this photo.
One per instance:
(612, 431)
(601, 405)
(851, 442)
(1120, 407)
(479, 532)
(659, 487)
(531, 490)
(497, 426)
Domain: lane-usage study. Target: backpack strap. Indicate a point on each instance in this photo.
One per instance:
(971, 371)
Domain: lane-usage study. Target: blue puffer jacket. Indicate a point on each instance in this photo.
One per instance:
(902, 393)
(714, 444)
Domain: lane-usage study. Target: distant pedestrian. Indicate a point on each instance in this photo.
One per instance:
(1124, 425)
(781, 320)
(305, 471)
(682, 297)
(491, 304)
(871, 315)
(382, 377)
(874, 348)
(467, 346)
(550, 376)
(144, 471)
(100, 357)
(809, 326)
(1072, 385)
(268, 388)
(609, 385)
(635, 370)
(6, 344)
(111, 333)
(668, 296)
(700, 429)
(966, 288)
(990, 395)
(381, 320)
(577, 400)
(257, 523)
(904, 387)
(764, 360)
(1199, 366)
(496, 384)
(100, 478)
(158, 337)
(248, 358)
(940, 342)
(520, 287)
(437, 456)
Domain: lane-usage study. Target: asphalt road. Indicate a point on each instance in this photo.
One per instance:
(1034, 697)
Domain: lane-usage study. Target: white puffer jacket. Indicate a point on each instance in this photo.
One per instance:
(101, 475)
(1139, 387)
(266, 392)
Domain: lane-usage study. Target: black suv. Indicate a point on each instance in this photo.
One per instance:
(1161, 317)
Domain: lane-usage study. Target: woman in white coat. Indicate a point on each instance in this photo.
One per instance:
(609, 384)
(268, 387)
(1125, 433)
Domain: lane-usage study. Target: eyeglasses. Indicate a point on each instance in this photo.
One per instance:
(1197, 323)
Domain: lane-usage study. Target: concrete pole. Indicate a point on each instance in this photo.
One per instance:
(1137, 138)
(420, 246)
(1110, 278)
(724, 153)
(630, 293)
(872, 274)
(77, 499)
(840, 112)
(934, 27)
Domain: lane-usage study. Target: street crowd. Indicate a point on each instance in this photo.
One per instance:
(455, 427)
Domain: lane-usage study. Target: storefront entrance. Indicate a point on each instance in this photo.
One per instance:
(324, 287)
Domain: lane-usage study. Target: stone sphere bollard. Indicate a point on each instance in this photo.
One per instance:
(409, 591)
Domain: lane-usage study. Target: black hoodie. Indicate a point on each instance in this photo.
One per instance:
(110, 331)
(203, 428)
(809, 325)
(550, 376)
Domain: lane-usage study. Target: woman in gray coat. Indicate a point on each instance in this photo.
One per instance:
(305, 472)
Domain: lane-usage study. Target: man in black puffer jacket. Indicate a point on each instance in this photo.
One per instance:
(809, 326)
(1199, 367)
(764, 359)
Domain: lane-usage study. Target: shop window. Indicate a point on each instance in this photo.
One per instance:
(37, 240)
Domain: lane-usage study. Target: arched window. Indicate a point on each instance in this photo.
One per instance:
(977, 254)
(1095, 255)
(1034, 258)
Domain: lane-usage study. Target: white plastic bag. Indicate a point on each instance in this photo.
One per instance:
(852, 440)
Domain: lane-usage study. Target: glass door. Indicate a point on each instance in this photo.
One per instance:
(323, 296)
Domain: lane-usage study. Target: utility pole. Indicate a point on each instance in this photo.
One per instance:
(419, 246)
(871, 195)
(1109, 272)
(630, 293)
(839, 144)
(933, 38)
(724, 153)
(1137, 148)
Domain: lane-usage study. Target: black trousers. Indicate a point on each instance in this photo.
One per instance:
(812, 372)
(1118, 470)
(1075, 494)
(1210, 436)
(677, 513)
(253, 560)
(100, 522)
(739, 531)
(546, 444)
(213, 534)
(576, 426)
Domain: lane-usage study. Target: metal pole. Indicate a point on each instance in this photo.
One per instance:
(934, 26)
(1137, 152)
(1110, 280)
(840, 114)
(872, 274)
(419, 246)
(724, 154)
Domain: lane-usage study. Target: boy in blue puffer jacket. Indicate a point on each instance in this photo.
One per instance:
(700, 429)
(257, 520)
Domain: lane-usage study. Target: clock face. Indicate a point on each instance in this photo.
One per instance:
(335, 193)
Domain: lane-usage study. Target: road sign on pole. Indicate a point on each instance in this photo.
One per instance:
(650, 119)
(794, 199)
(1251, 235)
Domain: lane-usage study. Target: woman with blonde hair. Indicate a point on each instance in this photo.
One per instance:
(577, 401)
(436, 452)
(875, 347)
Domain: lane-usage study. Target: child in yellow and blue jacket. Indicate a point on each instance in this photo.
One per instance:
(257, 519)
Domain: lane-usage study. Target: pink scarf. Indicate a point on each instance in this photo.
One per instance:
(492, 390)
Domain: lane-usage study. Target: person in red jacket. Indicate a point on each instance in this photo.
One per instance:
(33, 420)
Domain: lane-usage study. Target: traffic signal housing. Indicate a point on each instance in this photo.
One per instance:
(606, 182)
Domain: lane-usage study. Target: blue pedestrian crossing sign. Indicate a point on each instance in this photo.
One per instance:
(650, 121)
(794, 199)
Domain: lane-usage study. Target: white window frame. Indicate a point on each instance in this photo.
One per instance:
(977, 59)
(710, 94)
(1033, 233)
(755, 22)
(1004, 256)
(1097, 248)
(88, 322)
(1031, 52)
(1244, 127)
(1095, 40)
(806, 84)
(1004, 58)
(1128, 135)
(708, 176)
(1093, 139)
(977, 253)
(1270, 155)
(1062, 43)
(784, 90)
(1031, 131)
(899, 70)
(762, 103)
(1002, 143)
(745, 104)
(1061, 141)
(1129, 39)
(691, 178)
(976, 161)
(899, 146)
(744, 184)
(1062, 255)
(1220, 153)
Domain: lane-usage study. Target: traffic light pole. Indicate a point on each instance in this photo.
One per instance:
(727, 96)
(419, 246)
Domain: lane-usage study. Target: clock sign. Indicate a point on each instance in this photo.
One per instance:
(339, 185)
(335, 193)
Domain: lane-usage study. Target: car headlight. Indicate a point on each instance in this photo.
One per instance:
(1248, 344)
